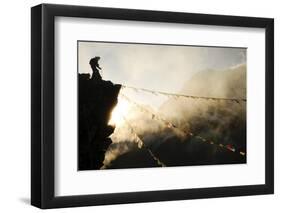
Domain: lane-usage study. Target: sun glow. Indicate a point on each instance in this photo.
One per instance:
(120, 110)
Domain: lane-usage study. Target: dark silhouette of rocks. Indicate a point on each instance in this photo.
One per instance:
(97, 98)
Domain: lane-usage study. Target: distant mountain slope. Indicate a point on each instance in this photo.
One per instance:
(221, 120)
(227, 83)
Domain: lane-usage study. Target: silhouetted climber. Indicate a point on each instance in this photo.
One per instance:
(94, 62)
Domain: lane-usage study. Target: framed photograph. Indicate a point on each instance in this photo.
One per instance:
(140, 106)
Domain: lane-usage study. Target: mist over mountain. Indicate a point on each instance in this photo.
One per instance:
(220, 121)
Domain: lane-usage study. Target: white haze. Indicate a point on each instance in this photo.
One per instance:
(205, 118)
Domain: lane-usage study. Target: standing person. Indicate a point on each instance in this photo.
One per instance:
(94, 62)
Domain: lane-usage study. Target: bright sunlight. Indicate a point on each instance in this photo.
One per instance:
(120, 110)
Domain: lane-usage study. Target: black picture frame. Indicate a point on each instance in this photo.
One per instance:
(43, 117)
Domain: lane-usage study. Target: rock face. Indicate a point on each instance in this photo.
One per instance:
(97, 98)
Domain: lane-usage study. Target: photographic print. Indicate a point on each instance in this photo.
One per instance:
(160, 105)
(117, 93)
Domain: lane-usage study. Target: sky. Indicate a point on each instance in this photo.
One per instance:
(156, 67)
